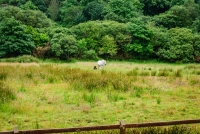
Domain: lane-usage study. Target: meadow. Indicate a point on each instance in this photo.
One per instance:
(61, 95)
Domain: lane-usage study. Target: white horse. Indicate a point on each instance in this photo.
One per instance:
(101, 63)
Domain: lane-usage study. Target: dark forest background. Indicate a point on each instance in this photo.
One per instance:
(164, 30)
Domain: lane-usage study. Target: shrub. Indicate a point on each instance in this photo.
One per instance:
(90, 54)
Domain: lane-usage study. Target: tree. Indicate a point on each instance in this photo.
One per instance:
(64, 46)
(178, 46)
(8, 12)
(39, 3)
(154, 7)
(85, 2)
(109, 47)
(176, 2)
(122, 10)
(72, 15)
(94, 31)
(34, 18)
(39, 38)
(54, 9)
(140, 46)
(196, 47)
(179, 16)
(14, 40)
(93, 11)
(29, 6)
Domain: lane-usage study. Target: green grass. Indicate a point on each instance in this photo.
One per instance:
(60, 95)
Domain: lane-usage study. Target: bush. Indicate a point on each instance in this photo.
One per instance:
(90, 54)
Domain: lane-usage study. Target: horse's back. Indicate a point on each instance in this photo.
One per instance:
(101, 62)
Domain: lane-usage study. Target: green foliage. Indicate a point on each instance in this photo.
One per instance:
(14, 40)
(109, 47)
(91, 98)
(56, 30)
(141, 40)
(84, 52)
(36, 19)
(93, 11)
(33, 18)
(176, 2)
(156, 6)
(179, 46)
(69, 3)
(54, 9)
(38, 3)
(96, 34)
(64, 46)
(122, 10)
(90, 55)
(72, 15)
(131, 35)
(29, 6)
(39, 38)
(179, 15)
(196, 47)
(82, 47)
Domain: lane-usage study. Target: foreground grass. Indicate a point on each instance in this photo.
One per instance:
(73, 94)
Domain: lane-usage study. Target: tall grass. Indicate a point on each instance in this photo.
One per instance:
(21, 59)
(62, 95)
(91, 98)
(6, 93)
(166, 130)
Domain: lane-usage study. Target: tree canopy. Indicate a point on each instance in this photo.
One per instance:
(166, 30)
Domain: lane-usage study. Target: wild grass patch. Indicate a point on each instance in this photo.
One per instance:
(89, 97)
(144, 73)
(163, 73)
(153, 73)
(165, 130)
(6, 93)
(132, 73)
(178, 73)
(21, 59)
(3, 75)
(66, 95)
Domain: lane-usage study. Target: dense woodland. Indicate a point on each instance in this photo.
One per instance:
(165, 30)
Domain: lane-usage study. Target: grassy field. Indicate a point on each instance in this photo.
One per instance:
(47, 95)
